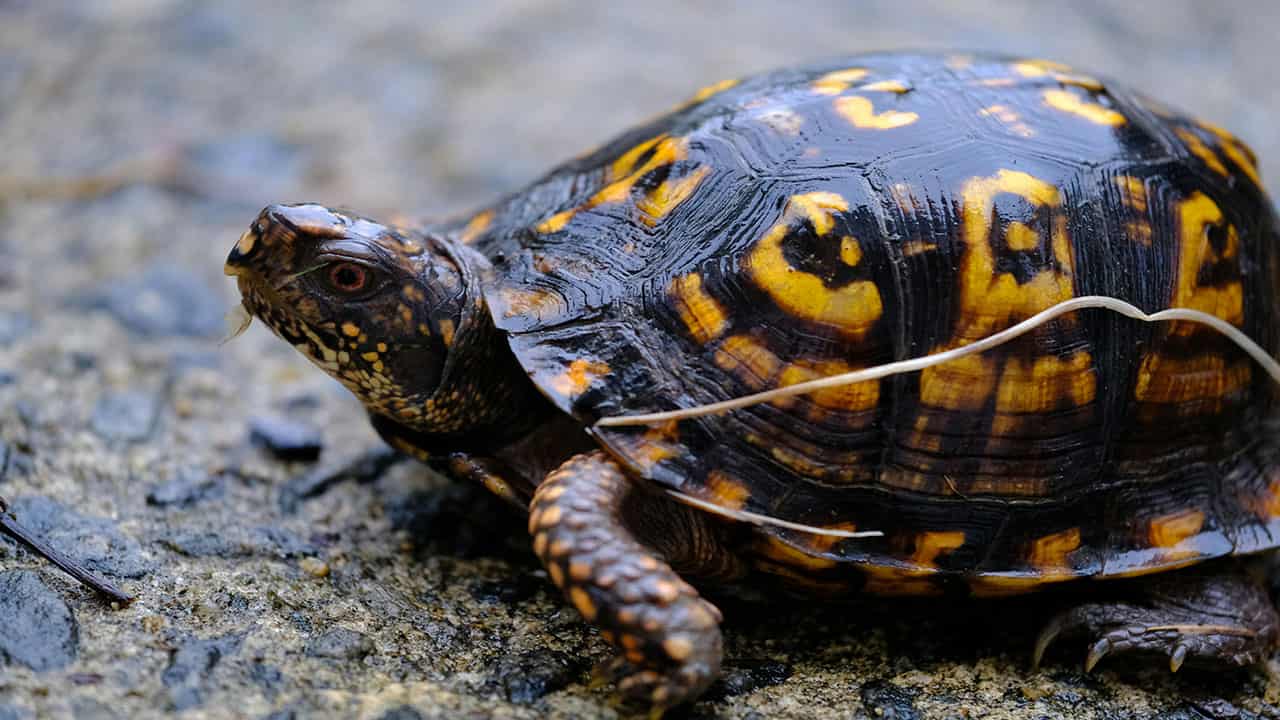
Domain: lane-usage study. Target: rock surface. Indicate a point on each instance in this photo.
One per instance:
(142, 136)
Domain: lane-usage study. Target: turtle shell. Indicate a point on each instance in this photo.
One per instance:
(818, 220)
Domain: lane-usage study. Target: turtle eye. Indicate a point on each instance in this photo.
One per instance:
(348, 277)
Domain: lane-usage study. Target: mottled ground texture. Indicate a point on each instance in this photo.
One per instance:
(139, 137)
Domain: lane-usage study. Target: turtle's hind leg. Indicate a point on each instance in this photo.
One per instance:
(610, 545)
(1217, 614)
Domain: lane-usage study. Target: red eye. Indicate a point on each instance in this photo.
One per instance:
(348, 277)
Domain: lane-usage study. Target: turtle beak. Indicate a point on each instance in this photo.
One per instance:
(238, 261)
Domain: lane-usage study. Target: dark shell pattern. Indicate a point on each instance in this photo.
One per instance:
(818, 220)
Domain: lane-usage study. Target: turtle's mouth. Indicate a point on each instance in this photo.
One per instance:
(262, 301)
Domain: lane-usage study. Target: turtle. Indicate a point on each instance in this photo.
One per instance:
(803, 224)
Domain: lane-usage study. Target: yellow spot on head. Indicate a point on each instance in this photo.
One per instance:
(350, 329)
(834, 83)
(245, 244)
(704, 318)
(861, 113)
(1069, 102)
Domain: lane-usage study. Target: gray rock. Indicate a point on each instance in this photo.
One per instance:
(95, 542)
(14, 326)
(162, 301)
(286, 439)
(190, 667)
(340, 644)
(40, 631)
(187, 487)
(237, 542)
(125, 416)
(404, 712)
(531, 675)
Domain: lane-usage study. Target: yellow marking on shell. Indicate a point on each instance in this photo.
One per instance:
(1020, 237)
(782, 120)
(834, 83)
(669, 194)
(712, 89)
(622, 176)
(446, 331)
(1170, 380)
(848, 398)
(369, 356)
(851, 309)
(930, 545)
(890, 86)
(476, 226)
(787, 554)
(1050, 554)
(1197, 214)
(1069, 102)
(702, 315)
(1015, 583)
(556, 222)
(245, 244)
(915, 576)
(727, 491)
(1041, 384)
(527, 302)
(1009, 118)
(1202, 151)
(1039, 68)
(850, 251)
(1267, 506)
(861, 113)
(350, 329)
(658, 443)
(1238, 152)
(911, 248)
(1171, 533)
(1133, 192)
(578, 377)
(751, 362)
(961, 384)
(991, 300)
(582, 601)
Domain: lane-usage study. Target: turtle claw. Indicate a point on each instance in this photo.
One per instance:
(1178, 656)
(1097, 651)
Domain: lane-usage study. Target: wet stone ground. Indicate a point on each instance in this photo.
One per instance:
(275, 579)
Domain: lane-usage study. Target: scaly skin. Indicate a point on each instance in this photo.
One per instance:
(667, 636)
(1216, 614)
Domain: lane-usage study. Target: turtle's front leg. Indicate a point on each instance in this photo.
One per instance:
(1216, 614)
(589, 523)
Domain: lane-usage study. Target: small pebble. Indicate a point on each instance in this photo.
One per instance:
(314, 567)
(125, 416)
(286, 439)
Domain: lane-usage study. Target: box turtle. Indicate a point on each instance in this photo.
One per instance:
(807, 223)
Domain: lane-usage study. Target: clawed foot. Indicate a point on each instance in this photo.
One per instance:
(1222, 618)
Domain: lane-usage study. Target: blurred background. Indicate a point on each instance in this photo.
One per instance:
(138, 138)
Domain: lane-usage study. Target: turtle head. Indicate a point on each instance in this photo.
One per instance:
(376, 307)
